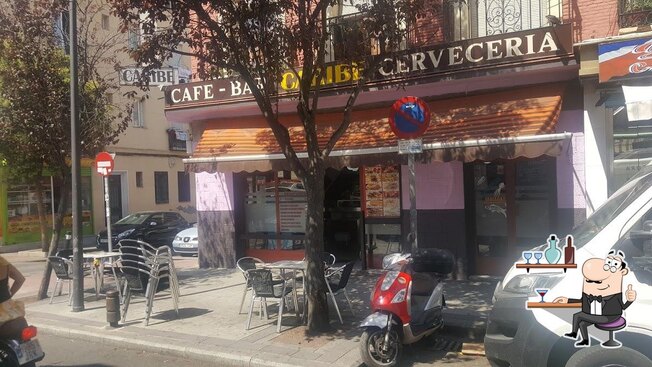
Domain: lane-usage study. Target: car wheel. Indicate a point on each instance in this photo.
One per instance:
(597, 356)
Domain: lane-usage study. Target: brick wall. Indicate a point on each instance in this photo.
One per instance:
(594, 18)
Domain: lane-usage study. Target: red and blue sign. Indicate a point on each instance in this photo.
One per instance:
(409, 117)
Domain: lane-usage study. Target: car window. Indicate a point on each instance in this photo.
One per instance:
(158, 218)
(136, 218)
(171, 217)
(584, 232)
(637, 246)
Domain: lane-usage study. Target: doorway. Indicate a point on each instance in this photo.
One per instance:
(343, 236)
(115, 197)
(511, 206)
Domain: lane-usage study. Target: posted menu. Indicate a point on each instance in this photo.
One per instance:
(382, 197)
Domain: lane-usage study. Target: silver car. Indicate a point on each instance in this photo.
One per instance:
(186, 242)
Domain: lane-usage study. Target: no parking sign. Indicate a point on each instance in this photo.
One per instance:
(409, 117)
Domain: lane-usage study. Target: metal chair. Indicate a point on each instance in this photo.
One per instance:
(145, 276)
(264, 287)
(63, 270)
(328, 258)
(334, 289)
(244, 265)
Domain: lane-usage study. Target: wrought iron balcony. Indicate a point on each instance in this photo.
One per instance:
(349, 40)
(479, 18)
(634, 13)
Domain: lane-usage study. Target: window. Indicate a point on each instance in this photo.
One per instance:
(61, 30)
(161, 187)
(137, 114)
(105, 21)
(139, 179)
(133, 38)
(184, 186)
(479, 18)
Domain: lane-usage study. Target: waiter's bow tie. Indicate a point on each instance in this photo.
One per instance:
(594, 298)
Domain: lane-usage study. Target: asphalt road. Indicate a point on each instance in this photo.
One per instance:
(80, 353)
(65, 352)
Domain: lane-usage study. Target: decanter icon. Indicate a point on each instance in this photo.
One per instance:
(552, 254)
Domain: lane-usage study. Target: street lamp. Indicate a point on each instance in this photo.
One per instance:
(77, 267)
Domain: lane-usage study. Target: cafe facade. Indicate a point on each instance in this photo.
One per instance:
(502, 163)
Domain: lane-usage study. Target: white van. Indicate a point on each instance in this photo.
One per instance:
(517, 336)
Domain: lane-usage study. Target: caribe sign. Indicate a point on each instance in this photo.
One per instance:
(542, 43)
(625, 59)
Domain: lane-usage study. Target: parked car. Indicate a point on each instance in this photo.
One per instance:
(186, 242)
(517, 336)
(155, 228)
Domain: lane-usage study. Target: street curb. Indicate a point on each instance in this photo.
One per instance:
(220, 357)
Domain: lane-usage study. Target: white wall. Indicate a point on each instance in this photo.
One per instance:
(598, 139)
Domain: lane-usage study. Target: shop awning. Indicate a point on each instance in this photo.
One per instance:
(508, 124)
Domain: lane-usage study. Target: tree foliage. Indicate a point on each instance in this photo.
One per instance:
(35, 95)
(258, 40)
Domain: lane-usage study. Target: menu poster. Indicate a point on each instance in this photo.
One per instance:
(381, 185)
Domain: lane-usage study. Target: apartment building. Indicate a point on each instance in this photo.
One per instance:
(149, 172)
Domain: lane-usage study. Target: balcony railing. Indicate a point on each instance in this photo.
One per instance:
(349, 40)
(479, 18)
(634, 13)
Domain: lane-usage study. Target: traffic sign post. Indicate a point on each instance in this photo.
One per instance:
(104, 164)
(409, 118)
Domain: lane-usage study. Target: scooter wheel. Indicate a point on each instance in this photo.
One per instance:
(375, 352)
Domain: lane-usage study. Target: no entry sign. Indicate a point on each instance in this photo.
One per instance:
(409, 117)
(104, 163)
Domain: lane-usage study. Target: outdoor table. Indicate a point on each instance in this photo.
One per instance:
(294, 266)
(97, 267)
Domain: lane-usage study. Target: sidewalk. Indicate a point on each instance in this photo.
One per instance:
(210, 328)
(87, 241)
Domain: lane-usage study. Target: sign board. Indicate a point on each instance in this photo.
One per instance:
(104, 163)
(547, 44)
(410, 146)
(409, 117)
(157, 77)
(623, 59)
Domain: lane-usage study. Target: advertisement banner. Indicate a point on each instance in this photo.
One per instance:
(625, 59)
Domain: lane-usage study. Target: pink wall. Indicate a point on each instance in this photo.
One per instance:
(439, 186)
(570, 163)
(214, 191)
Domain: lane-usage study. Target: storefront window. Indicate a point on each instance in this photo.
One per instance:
(632, 148)
(275, 212)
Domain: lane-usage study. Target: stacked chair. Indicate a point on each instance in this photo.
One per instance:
(146, 271)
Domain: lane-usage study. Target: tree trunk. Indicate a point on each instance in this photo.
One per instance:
(54, 241)
(40, 208)
(318, 319)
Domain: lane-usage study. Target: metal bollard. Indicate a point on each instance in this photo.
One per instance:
(112, 307)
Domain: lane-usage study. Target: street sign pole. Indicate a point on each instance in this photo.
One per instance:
(409, 119)
(413, 203)
(107, 202)
(77, 266)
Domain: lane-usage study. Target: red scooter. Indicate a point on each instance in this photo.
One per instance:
(406, 304)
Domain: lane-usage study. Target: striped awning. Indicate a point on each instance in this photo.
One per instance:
(506, 124)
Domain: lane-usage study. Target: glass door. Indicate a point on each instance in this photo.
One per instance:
(514, 206)
(491, 216)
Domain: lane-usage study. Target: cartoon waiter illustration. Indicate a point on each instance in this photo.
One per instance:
(602, 299)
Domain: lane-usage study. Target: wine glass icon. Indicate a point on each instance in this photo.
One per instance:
(542, 292)
(538, 255)
(527, 255)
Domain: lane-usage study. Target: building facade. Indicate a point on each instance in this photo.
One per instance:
(503, 161)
